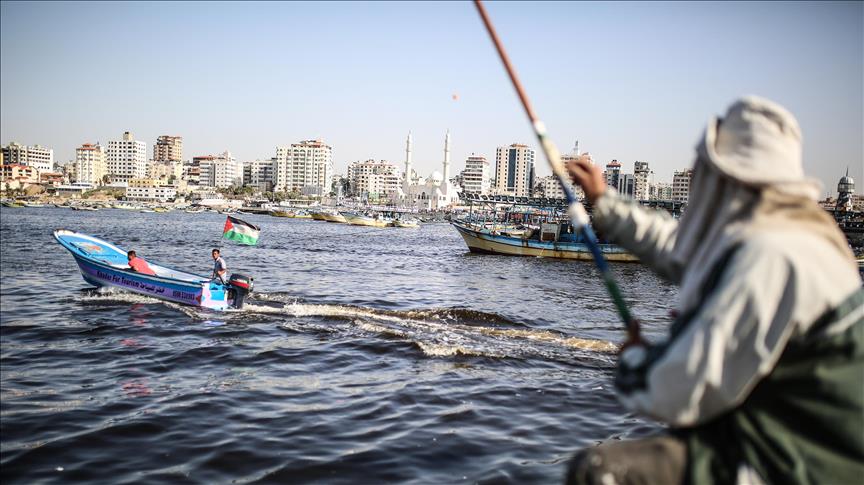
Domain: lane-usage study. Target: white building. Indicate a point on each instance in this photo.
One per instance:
(91, 164)
(259, 174)
(38, 157)
(374, 180)
(306, 167)
(642, 176)
(681, 185)
(627, 185)
(220, 171)
(475, 177)
(168, 148)
(432, 193)
(150, 190)
(127, 158)
(514, 170)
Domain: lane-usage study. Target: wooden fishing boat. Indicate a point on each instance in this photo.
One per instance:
(489, 241)
(104, 264)
(372, 220)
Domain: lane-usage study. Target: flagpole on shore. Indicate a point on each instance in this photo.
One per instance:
(578, 215)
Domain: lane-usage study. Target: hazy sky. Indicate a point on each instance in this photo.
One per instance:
(631, 81)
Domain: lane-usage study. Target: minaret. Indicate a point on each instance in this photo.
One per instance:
(408, 160)
(576, 148)
(447, 158)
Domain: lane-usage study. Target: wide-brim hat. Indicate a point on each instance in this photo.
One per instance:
(758, 143)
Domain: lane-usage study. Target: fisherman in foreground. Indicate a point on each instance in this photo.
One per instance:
(761, 379)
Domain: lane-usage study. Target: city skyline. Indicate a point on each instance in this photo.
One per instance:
(630, 82)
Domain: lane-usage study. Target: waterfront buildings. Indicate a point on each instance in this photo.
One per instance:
(149, 190)
(305, 167)
(259, 174)
(514, 170)
(91, 164)
(16, 176)
(373, 180)
(126, 159)
(36, 156)
(220, 171)
(475, 177)
(432, 193)
(681, 185)
(168, 149)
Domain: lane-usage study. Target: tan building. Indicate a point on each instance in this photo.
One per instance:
(681, 185)
(642, 179)
(16, 176)
(514, 170)
(168, 149)
(91, 164)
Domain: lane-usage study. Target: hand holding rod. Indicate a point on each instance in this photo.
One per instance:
(576, 211)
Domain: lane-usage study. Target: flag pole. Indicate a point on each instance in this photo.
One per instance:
(578, 215)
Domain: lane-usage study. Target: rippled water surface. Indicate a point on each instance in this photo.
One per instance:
(365, 355)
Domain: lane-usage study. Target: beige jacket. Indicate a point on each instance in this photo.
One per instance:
(779, 281)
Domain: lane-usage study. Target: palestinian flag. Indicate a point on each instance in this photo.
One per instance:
(240, 231)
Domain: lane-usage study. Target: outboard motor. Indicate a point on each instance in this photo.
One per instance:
(241, 286)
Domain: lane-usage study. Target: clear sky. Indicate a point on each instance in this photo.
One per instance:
(631, 81)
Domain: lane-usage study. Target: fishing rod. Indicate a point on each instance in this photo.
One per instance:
(578, 215)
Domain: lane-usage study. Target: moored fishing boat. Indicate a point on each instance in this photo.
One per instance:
(490, 241)
(333, 216)
(104, 264)
(371, 220)
(406, 222)
(317, 215)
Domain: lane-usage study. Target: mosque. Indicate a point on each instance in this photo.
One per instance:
(432, 193)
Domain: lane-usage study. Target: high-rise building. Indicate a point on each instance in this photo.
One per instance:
(612, 173)
(475, 177)
(168, 148)
(514, 170)
(627, 185)
(36, 156)
(127, 158)
(681, 185)
(259, 174)
(306, 167)
(220, 171)
(374, 180)
(91, 164)
(642, 177)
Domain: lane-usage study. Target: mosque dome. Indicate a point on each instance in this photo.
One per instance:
(846, 184)
(436, 177)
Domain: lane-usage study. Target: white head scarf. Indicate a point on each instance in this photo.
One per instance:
(747, 178)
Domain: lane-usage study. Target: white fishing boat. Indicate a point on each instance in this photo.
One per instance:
(406, 222)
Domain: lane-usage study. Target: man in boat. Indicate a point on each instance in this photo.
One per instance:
(138, 265)
(219, 267)
(761, 378)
